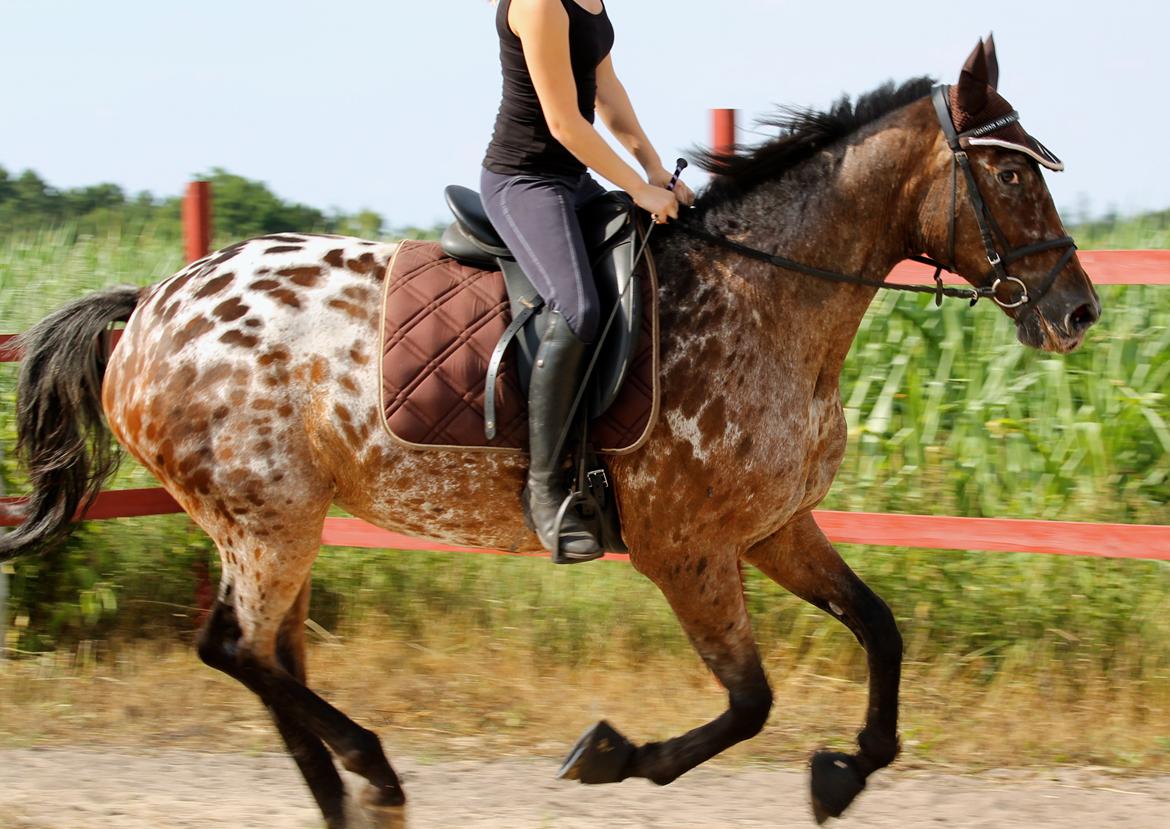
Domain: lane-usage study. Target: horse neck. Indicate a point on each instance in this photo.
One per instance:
(851, 209)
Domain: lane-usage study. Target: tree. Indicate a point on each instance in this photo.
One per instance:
(244, 207)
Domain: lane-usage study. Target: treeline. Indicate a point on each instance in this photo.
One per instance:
(242, 208)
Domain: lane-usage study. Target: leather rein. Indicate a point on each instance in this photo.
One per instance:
(997, 277)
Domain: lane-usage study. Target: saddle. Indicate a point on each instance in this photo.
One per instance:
(610, 232)
(461, 327)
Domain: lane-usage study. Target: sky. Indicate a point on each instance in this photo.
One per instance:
(379, 104)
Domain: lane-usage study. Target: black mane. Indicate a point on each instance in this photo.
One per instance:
(803, 132)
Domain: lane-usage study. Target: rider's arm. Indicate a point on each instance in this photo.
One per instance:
(543, 28)
(617, 113)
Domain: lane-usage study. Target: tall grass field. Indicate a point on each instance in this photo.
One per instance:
(1010, 657)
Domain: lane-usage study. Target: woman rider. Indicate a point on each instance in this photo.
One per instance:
(557, 69)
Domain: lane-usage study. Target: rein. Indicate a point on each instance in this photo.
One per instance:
(988, 229)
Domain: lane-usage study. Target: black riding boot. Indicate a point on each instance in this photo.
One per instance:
(555, 378)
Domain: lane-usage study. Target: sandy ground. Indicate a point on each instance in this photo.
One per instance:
(62, 789)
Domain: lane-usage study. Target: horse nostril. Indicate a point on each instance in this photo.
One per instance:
(1080, 319)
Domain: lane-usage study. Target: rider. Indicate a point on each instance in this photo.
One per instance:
(557, 69)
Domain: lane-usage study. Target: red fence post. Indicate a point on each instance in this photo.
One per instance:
(197, 242)
(197, 220)
(723, 131)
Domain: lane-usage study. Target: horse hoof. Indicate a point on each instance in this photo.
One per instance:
(368, 811)
(389, 797)
(835, 782)
(373, 809)
(600, 756)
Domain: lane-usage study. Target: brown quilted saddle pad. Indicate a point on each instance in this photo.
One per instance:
(442, 319)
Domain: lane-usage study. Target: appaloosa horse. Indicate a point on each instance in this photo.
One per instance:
(247, 383)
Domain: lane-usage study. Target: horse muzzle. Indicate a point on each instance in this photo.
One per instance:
(1056, 325)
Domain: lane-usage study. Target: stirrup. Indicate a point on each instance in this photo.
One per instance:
(560, 557)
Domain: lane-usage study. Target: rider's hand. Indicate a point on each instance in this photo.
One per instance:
(659, 203)
(661, 178)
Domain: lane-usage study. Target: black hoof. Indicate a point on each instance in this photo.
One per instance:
(600, 756)
(835, 782)
(383, 797)
(373, 809)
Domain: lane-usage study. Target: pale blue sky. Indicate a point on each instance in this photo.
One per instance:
(380, 103)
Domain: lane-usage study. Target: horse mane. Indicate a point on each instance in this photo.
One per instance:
(803, 132)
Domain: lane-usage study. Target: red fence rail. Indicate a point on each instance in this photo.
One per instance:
(937, 532)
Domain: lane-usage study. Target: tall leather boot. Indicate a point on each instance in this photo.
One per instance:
(554, 383)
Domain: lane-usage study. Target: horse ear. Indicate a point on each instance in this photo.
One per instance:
(972, 87)
(992, 62)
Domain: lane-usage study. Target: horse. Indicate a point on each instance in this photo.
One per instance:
(247, 383)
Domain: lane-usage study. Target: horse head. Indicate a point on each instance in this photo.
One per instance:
(988, 214)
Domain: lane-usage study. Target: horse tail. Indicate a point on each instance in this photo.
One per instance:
(61, 435)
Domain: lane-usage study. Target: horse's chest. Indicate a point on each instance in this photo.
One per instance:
(739, 465)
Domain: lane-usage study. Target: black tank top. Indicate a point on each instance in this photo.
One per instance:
(522, 143)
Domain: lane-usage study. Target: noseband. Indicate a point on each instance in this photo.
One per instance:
(996, 278)
(989, 229)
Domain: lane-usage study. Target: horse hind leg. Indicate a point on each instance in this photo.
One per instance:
(310, 754)
(706, 594)
(800, 559)
(254, 635)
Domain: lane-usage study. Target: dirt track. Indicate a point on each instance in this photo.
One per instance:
(60, 789)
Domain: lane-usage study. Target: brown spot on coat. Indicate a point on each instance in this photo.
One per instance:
(306, 277)
(174, 285)
(349, 308)
(239, 338)
(214, 286)
(283, 249)
(280, 354)
(230, 310)
(286, 297)
(193, 329)
(364, 264)
(335, 258)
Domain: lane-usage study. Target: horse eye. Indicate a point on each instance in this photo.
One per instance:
(1009, 177)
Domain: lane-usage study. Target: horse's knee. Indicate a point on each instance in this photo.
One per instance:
(750, 708)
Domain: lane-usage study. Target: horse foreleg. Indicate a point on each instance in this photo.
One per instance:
(706, 593)
(801, 559)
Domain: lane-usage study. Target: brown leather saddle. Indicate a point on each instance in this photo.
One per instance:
(610, 230)
(461, 326)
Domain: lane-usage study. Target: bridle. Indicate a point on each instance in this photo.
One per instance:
(996, 278)
(989, 229)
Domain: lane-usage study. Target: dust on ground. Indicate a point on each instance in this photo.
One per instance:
(61, 788)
